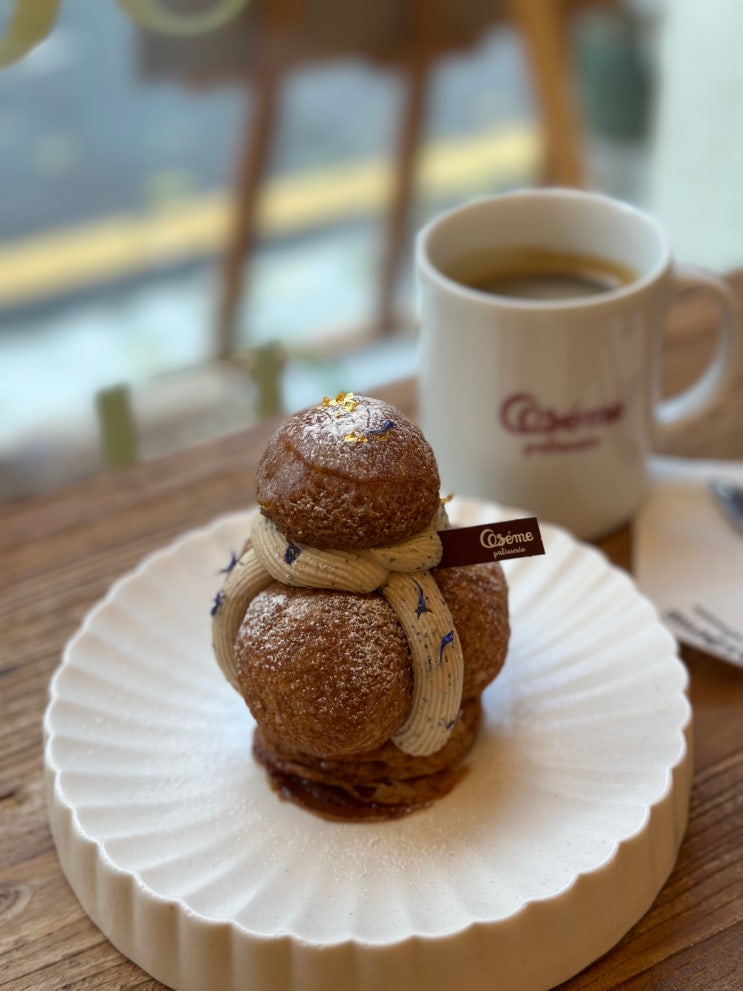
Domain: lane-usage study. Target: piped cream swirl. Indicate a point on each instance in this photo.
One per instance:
(401, 573)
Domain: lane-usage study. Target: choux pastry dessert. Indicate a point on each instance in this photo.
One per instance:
(361, 662)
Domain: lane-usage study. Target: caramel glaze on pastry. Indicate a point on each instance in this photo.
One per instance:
(381, 784)
(329, 674)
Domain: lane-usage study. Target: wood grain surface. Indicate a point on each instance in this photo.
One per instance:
(61, 551)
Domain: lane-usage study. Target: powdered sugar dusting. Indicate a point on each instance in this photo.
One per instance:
(320, 435)
(329, 672)
(348, 476)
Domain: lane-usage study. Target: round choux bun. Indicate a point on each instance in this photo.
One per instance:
(477, 597)
(351, 473)
(329, 673)
(325, 672)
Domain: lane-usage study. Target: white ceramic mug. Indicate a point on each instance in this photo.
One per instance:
(553, 405)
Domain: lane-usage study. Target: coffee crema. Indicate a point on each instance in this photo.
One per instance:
(540, 274)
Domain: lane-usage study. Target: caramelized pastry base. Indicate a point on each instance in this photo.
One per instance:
(382, 784)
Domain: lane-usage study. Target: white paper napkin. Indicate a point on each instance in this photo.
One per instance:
(689, 558)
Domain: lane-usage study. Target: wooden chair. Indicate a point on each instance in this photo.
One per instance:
(273, 37)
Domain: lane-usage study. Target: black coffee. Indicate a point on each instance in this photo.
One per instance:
(535, 273)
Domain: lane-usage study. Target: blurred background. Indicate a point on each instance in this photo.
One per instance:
(199, 230)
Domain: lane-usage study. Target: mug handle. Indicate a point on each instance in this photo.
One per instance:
(28, 24)
(721, 371)
(157, 16)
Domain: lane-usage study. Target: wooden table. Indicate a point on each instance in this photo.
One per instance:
(60, 552)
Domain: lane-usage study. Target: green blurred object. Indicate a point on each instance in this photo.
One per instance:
(29, 23)
(265, 365)
(613, 74)
(116, 425)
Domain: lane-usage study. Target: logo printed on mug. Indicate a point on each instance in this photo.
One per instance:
(521, 413)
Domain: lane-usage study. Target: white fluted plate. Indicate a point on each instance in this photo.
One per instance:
(554, 844)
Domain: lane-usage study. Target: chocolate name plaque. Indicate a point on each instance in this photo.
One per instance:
(490, 542)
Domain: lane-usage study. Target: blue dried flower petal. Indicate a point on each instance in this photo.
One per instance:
(291, 553)
(421, 607)
(233, 561)
(384, 429)
(446, 641)
(218, 600)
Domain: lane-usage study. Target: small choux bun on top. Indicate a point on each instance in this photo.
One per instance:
(361, 662)
(352, 473)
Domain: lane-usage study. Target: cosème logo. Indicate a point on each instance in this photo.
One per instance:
(522, 413)
(490, 539)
